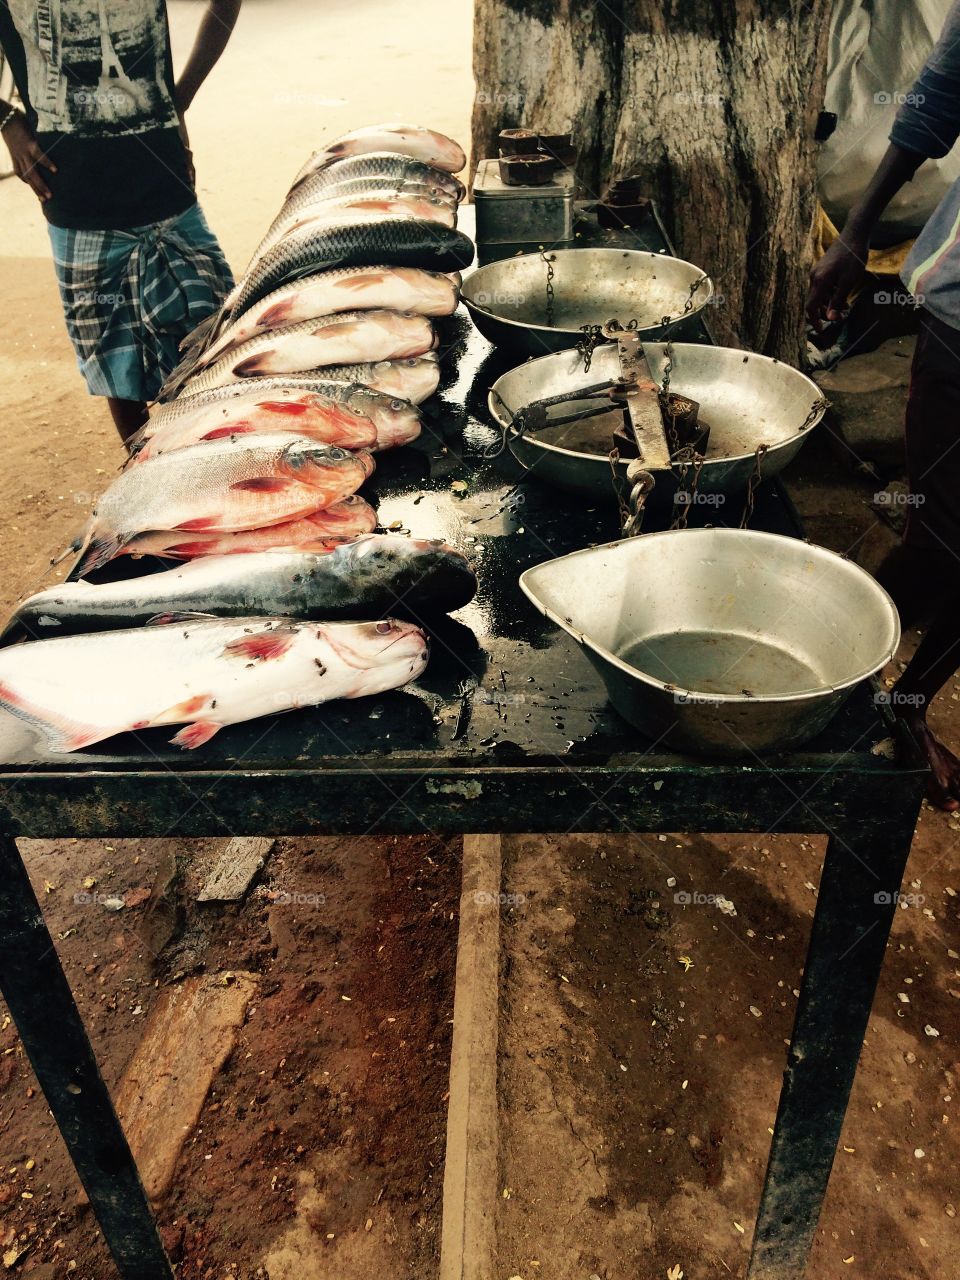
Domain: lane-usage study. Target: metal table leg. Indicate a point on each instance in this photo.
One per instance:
(43, 1008)
(861, 876)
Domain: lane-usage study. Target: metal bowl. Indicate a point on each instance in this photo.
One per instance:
(747, 400)
(507, 300)
(723, 642)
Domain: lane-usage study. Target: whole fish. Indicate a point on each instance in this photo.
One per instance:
(349, 337)
(322, 531)
(414, 380)
(412, 140)
(308, 415)
(202, 672)
(220, 486)
(375, 166)
(373, 577)
(393, 418)
(398, 242)
(370, 206)
(427, 293)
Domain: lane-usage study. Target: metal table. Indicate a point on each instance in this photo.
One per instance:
(510, 731)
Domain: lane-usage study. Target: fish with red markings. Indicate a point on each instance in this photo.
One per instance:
(258, 401)
(221, 486)
(349, 337)
(426, 293)
(323, 531)
(419, 143)
(200, 672)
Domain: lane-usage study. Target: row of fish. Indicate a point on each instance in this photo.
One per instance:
(249, 470)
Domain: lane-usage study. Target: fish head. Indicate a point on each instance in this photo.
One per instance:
(393, 417)
(413, 379)
(303, 458)
(384, 654)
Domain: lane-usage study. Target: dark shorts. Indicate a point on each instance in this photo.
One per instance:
(933, 438)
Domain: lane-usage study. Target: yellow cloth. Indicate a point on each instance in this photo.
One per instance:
(882, 262)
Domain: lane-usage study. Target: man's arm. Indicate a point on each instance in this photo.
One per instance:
(25, 151)
(216, 27)
(926, 127)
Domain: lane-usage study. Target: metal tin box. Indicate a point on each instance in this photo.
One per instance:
(522, 215)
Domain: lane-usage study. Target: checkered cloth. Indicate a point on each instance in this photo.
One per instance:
(130, 296)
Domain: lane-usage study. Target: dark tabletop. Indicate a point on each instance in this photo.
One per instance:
(504, 685)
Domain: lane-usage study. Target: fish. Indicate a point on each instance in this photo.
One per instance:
(413, 380)
(382, 165)
(348, 337)
(366, 206)
(323, 531)
(394, 419)
(201, 672)
(307, 415)
(396, 241)
(221, 486)
(372, 577)
(412, 140)
(428, 293)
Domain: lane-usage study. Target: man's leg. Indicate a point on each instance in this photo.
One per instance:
(128, 416)
(923, 575)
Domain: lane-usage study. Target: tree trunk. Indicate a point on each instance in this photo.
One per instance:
(713, 102)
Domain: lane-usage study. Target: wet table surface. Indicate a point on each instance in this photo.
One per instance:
(504, 689)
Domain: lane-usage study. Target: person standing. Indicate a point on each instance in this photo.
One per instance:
(102, 142)
(923, 573)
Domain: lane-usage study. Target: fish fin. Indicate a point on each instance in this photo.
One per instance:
(264, 645)
(165, 619)
(223, 433)
(283, 406)
(276, 315)
(97, 553)
(261, 484)
(186, 550)
(177, 377)
(62, 734)
(200, 337)
(253, 366)
(195, 735)
(201, 522)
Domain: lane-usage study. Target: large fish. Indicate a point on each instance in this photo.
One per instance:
(412, 140)
(375, 166)
(202, 672)
(311, 416)
(221, 486)
(396, 241)
(414, 380)
(349, 337)
(323, 531)
(428, 293)
(372, 577)
(369, 206)
(254, 399)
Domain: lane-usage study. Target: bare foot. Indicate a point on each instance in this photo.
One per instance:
(944, 788)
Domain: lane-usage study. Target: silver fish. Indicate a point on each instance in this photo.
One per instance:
(202, 672)
(372, 577)
(411, 140)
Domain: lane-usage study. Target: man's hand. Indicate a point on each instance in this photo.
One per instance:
(840, 271)
(28, 158)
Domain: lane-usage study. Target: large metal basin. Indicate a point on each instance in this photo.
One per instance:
(722, 642)
(747, 400)
(507, 300)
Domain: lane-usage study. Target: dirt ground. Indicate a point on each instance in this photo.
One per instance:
(307, 1136)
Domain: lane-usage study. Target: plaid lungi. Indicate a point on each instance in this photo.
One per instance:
(130, 296)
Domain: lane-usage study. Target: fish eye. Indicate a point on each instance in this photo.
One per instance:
(397, 405)
(384, 628)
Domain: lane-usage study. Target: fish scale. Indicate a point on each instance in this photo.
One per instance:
(331, 339)
(401, 242)
(376, 164)
(224, 485)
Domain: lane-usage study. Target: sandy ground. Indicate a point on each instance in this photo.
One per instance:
(297, 73)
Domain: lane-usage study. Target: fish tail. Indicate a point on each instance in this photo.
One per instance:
(96, 552)
(178, 377)
(200, 337)
(62, 733)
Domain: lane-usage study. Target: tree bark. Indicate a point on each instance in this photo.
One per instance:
(713, 102)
